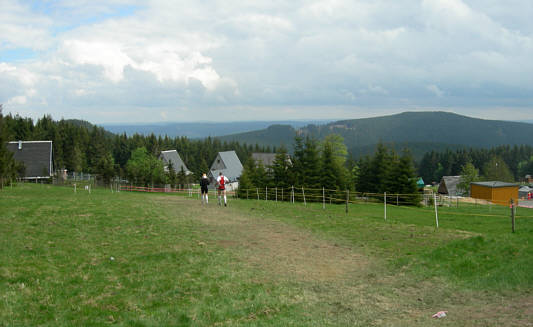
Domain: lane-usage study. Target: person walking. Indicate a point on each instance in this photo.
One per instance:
(222, 181)
(203, 189)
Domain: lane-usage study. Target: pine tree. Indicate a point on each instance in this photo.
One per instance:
(329, 172)
(245, 181)
(406, 180)
(281, 169)
(380, 169)
(297, 169)
(311, 165)
(8, 166)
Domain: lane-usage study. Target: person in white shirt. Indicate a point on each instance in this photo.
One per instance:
(221, 182)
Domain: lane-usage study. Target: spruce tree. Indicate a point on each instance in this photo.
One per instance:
(297, 169)
(380, 169)
(406, 180)
(280, 169)
(311, 165)
(8, 166)
(329, 173)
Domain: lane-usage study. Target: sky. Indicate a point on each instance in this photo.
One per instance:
(128, 61)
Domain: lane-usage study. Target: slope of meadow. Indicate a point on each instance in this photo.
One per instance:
(135, 259)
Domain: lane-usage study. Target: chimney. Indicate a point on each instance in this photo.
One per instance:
(20, 145)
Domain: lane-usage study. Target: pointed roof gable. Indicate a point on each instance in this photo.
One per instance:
(174, 157)
(448, 185)
(228, 164)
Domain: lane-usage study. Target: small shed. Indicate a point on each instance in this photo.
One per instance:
(229, 165)
(172, 156)
(524, 192)
(420, 183)
(495, 191)
(36, 157)
(448, 185)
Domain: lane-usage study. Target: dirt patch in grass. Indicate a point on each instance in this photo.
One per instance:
(283, 251)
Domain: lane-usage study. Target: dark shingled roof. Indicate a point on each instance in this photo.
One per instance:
(174, 157)
(448, 185)
(36, 157)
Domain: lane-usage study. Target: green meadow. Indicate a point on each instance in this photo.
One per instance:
(147, 259)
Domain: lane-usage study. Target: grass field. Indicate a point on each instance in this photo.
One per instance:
(136, 259)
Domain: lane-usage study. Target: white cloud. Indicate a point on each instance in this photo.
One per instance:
(435, 90)
(112, 58)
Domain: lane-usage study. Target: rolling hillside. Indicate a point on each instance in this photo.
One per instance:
(420, 131)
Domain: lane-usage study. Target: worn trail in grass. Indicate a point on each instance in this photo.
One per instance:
(342, 280)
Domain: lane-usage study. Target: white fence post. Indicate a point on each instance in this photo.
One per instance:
(323, 198)
(303, 193)
(436, 213)
(292, 194)
(385, 203)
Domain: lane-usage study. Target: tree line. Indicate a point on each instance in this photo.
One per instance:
(323, 167)
(79, 146)
(503, 163)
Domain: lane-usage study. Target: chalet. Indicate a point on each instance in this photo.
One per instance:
(172, 156)
(229, 165)
(495, 192)
(36, 157)
(448, 186)
(267, 159)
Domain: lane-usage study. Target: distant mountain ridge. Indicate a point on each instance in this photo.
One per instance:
(421, 131)
(201, 129)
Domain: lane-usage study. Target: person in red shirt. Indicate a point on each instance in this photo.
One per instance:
(221, 182)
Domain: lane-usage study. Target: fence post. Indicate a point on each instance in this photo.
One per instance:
(323, 198)
(512, 214)
(303, 193)
(436, 212)
(347, 199)
(292, 194)
(74, 187)
(282, 198)
(266, 193)
(385, 204)
(257, 191)
(397, 204)
(276, 194)
(246, 194)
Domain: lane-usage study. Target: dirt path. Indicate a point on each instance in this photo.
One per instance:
(349, 287)
(285, 251)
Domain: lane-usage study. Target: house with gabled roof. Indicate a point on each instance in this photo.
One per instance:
(172, 156)
(448, 185)
(36, 157)
(229, 165)
(266, 159)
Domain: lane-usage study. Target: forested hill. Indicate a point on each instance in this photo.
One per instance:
(420, 130)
